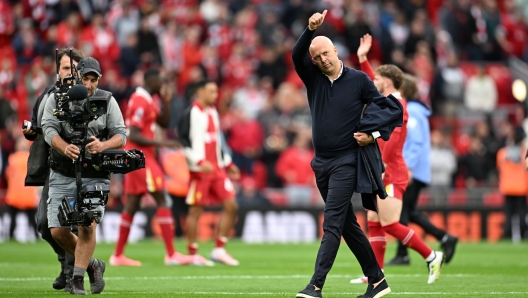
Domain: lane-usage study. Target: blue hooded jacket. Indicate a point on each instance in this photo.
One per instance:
(417, 148)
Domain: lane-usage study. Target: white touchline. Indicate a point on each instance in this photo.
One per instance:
(191, 277)
(286, 293)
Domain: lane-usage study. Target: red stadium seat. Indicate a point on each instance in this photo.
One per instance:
(424, 199)
(493, 199)
(457, 197)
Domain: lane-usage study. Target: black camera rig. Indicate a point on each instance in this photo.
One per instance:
(78, 110)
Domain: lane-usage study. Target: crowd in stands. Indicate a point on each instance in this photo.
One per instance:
(455, 48)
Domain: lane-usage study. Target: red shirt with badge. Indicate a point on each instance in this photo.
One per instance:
(143, 111)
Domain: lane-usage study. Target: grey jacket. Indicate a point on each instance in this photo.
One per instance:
(113, 121)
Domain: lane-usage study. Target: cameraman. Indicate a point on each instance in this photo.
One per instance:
(62, 180)
(38, 169)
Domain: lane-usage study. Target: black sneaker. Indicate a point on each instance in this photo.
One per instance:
(399, 260)
(381, 290)
(60, 282)
(310, 292)
(77, 286)
(95, 273)
(448, 246)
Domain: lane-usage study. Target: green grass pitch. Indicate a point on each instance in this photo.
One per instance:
(269, 270)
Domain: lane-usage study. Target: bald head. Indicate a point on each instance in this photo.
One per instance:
(324, 53)
(321, 41)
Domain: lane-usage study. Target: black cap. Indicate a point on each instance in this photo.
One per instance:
(88, 65)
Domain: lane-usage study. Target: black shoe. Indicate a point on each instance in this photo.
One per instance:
(381, 290)
(310, 292)
(399, 260)
(60, 282)
(95, 273)
(449, 246)
(77, 286)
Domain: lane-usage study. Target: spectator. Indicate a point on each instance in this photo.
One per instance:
(249, 197)
(512, 34)
(293, 167)
(171, 47)
(7, 113)
(272, 65)
(62, 9)
(457, 20)
(51, 42)
(250, 99)
(245, 140)
(148, 48)
(18, 197)
(481, 92)
(492, 19)
(443, 160)
(36, 81)
(513, 183)
(191, 55)
(7, 71)
(448, 87)
(7, 23)
(485, 133)
(274, 143)
(69, 30)
(129, 59)
(126, 21)
(102, 42)
(114, 83)
(476, 165)
(26, 44)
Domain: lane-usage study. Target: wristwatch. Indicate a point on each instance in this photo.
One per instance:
(376, 134)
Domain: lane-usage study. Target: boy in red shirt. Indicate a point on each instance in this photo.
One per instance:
(388, 79)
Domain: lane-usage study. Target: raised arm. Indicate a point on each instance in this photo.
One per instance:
(300, 54)
(364, 47)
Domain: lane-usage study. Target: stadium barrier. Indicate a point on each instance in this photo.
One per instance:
(281, 225)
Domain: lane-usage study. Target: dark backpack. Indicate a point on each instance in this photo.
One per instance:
(38, 166)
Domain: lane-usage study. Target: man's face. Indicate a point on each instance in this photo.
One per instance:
(90, 81)
(379, 82)
(209, 93)
(64, 66)
(324, 54)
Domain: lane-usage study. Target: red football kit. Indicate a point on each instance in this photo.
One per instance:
(212, 188)
(142, 112)
(396, 176)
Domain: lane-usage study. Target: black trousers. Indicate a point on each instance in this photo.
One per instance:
(410, 214)
(514, 205)
(180, 209)
(336, 180)
(30, 213)
(65, 258)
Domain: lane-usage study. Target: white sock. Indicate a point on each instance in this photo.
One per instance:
(219, 250)
(430, 257)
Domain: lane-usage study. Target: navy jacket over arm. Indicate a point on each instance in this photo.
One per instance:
(336, 112)
(383, 115)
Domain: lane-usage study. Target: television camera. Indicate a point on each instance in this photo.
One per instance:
(78, 110)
